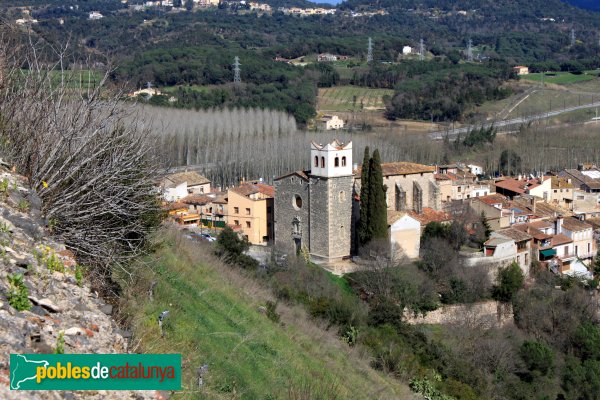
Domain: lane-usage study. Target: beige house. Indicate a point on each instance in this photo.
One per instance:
(562, 192)
(521, 70)
(582, 235)
(332, 122)
(250, 208)
(492, 206)
(404, 234)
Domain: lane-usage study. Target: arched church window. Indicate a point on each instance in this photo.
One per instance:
(343, 161)
(337, 162)
(316, 161)
(322, 162)
(296, 226)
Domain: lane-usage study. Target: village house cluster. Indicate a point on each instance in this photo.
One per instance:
(553, 219)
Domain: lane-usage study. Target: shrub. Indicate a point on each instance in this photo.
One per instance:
(60, 344)
(18, 293)
(537, 356)
(510, 280)
(272, 311)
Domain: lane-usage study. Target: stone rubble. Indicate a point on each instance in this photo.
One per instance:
(59, 305)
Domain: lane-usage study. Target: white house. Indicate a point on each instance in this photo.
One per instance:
(95, 15)
(179, 185)
(406, 50)
(475, 169)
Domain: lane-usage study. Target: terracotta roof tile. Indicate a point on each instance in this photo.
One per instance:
(430, 215)
(515, 234)
(559, 239)
(247, 189)
(400, 168)
(575, 225)
(191, 177)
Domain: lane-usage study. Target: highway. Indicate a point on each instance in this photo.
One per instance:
(439, 135)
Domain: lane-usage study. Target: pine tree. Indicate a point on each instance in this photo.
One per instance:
(597, 263)
(363, 223)
(377, 210)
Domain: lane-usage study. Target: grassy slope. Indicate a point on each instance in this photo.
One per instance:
(214, 319)
(340, 98)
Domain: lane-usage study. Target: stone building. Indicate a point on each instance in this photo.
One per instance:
(313, 209)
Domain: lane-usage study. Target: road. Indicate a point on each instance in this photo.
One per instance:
(439, 135)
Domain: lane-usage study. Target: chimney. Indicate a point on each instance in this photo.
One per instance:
(558, 225)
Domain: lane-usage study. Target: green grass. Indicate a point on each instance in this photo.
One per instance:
(214, 319)
(561, 78)
(342, 98)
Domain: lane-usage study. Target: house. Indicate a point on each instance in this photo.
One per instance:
(493, 207)
(331, 122)
(410, 186)
(564, 245)
(406, 50)
(405, 235)
(457, 184)
(95, 15)
(178, 185)
(327, 57)
(511, 187)
(250, 207)
(428, 215)
(509, 245)
(586, 177)
(211, 207)
(521, 70)
(475, 169)
(562, 192)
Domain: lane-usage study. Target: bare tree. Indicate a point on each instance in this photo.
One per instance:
(83, 151)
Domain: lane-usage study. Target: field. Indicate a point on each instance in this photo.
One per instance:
(214, 319)
(561, 78)
(351, 98)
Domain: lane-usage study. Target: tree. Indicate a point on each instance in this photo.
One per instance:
(487, 230)
(537, 356)
(364, 233)
(85, 153)
(510, 280)
(177, 3)
(377, 210)
(510, 162)
(597, 263)
(231, 247)
(189, 5)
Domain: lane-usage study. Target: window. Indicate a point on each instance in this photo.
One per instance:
(236, 210)
(316, 161)
(297, 202)
(459, 188)
(526, 257)
(322, 162)
(556, 191)
(576, 249)
(236, 222)
(247, 211)
(343, 161)
(566, 250)
(248, 224)
(336, 162)
(589, 248)
(296, 226)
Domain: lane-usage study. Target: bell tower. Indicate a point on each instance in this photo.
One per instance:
(330, 194)
(332, 160)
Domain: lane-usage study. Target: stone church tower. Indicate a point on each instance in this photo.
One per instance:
(313, 208)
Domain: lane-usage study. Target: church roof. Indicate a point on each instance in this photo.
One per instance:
(400, 168)
(334, 145)
(302, 174)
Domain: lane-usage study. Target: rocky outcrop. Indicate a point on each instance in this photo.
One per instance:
(487, 314)
(59, 310)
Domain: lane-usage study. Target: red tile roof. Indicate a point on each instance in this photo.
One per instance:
(492, 199)
(247, 189)
(302, 174)
(400, 168)
(518, 186)
(559, 239)
(430, 215)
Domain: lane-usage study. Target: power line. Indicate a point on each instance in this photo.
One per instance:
(237, 76)
(370, 51)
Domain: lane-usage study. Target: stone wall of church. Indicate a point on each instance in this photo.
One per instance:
(331, 217)
(287, 210)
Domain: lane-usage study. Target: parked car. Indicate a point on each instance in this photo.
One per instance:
(208, 237)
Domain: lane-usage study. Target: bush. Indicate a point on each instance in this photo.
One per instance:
(272, 311)
(537, 356)
(18, 293)
(510, 280)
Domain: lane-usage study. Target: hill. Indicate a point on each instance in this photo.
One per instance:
(215, 319)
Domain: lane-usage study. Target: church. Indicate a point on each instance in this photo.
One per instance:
(316, 209)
